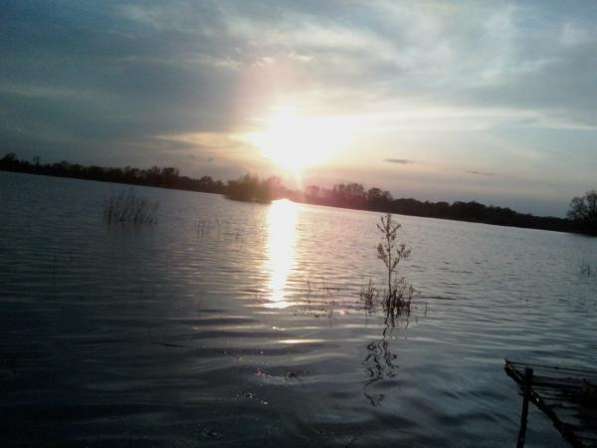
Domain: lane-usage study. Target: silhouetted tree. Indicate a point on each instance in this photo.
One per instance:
(583, 211)
(312, 192)
(252, 189)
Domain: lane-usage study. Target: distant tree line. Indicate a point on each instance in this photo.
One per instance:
(354, 195)
(167, 177)
(582, 216)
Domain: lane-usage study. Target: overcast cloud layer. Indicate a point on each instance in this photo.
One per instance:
(467, 100)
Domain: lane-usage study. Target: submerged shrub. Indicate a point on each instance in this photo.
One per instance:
(391, 252)
(397, 298)
(127, 207)
(585, 269)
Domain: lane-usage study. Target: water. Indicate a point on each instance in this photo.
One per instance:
(240, 324)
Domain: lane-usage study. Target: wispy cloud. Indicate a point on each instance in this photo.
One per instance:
(480, 173)
(399, 161)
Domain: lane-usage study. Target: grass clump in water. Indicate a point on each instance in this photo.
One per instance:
(369, 296)
(126, 207)
(586, 269)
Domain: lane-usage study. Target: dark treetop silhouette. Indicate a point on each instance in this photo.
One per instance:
(583, 211)
(582, 216)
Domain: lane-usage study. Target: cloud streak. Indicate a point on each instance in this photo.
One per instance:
(481, 173)
(400, 161)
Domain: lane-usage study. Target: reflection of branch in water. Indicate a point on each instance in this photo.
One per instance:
(380, 361)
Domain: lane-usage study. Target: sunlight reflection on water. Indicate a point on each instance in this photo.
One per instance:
(281, 249)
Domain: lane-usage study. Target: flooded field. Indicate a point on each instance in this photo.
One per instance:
(229, 323)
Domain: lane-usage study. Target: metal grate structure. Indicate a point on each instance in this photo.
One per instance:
(567, 396)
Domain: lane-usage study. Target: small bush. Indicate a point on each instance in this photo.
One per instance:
(398, 297)
(396, 300)
(127, 207)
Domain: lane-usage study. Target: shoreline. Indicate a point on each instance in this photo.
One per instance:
(300, 198)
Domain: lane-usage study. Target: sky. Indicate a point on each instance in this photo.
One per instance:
(465, 100)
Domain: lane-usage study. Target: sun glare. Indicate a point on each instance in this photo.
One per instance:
(282, 218)
(294, 142)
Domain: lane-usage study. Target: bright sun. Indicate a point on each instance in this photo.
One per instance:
(294, 142)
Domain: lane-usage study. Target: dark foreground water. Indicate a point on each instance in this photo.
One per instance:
(241, 324)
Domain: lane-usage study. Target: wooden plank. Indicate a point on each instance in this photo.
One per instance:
(528, 380)
(557, 396)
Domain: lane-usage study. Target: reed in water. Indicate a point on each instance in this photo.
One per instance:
(127, 207)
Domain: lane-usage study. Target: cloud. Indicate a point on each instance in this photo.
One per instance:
(199, 66)
(400, 161)
(480, 173)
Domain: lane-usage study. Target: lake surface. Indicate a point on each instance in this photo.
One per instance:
(230, 324)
